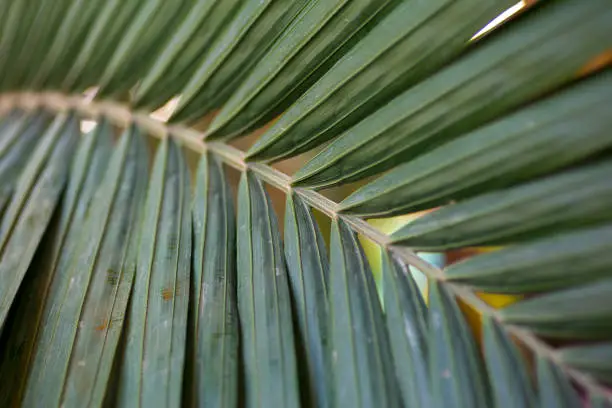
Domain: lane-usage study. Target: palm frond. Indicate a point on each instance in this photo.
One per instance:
(503, 138)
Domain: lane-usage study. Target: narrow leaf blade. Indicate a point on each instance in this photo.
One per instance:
(308, 269)
(508, 374)
(406, 318)
(263, 303)
(361, 357)
(151, 371)
(214, 326)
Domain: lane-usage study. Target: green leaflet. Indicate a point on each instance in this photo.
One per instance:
(140, 44)
(533, 55)
(510, 381)
(14, 15)
(178, 60)
(581, 312)
(555, 389)
(28, 213)
(263, 303)
(557, 261)
(515, 148)
(214, 324)
(298, 58)
(559, 203)
(406, 318)
(39, 293)
(42, 21)
(308, 267)
(81, 325)
(599, 401)
(362, 365)
(456, 371)
(255, 27)
(595, 359)
(18, 137)
(411, 42)
(152, 366)
(61, 50)
(99, 44)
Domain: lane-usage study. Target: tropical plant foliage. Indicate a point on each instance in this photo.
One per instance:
(135, 271)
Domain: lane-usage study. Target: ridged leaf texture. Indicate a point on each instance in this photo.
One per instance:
(80, 329)
(214, 334)
(308, 271)
(459, 98)
(129, 284)
(361, 359)
(152, 362)
(268, 348)
(43, 288)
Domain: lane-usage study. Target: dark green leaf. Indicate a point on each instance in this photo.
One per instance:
(532, 56)
(112, 19)
(81, 325)
(308, 268)
(582, 312)
(553, 262)
(42, 21)
(600, 401)
(595, 359)
(298, 58)
(508, 373)
(178, 60)
(456, 371)
(152, 367)
(411, 42)
(555, 389)
(63, 47)
(263, 303)
(18, 138)
(361, 356)
(37, 192)
(39, 292)
(406, 316)
(255, 27)
(140, 43)
(556, 204)
(560, 130)
(214, 325)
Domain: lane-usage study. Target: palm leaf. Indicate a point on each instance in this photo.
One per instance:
(460, 98)
(256, 25)
(308, 270)
(44, 285)
(411, 42)
(312, 41)
(176, 61)
(78, 336)
(214, 322)
(263, 303)
(152, 367)
(32, 205)
(456, 371)
(580, 312)
(560, 261)
(406, 317)
(555, 389)
(362, 366)
(595, 359)
(510, 380)
(504, 128)
(513, 149)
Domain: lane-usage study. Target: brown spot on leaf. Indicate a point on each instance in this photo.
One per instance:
(102, 326)
(167, 294)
